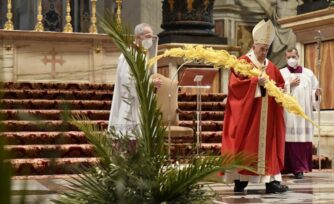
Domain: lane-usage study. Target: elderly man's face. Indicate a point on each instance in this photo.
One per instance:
(147, 33)
(261, 51)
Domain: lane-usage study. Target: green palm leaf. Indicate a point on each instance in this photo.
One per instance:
(176, 182)
(96, 136)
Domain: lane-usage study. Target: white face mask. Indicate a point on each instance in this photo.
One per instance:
(147, 43)
(292, 62)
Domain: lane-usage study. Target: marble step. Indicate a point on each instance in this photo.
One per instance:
(326, 163)
(56, 86)
(9, 114)
(205, 115)
(50, 151)
(57, 104)
(206, 106)
(47, 166)
(59, 125)
(92, 104)
(205, 97)
(46, 125)
(78, 137)
(31, 114)
(56, 94)
(182, 151)
(206, 137)
(205, 125)
(29, 138)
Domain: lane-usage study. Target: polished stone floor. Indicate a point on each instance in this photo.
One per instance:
(316, 187)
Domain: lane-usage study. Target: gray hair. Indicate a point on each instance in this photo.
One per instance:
(139, 29)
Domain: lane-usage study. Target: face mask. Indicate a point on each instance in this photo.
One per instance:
(292, 62)
(147, 43)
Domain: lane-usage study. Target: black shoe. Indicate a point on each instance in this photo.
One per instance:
(299, 175)
(239, 186)
(276, 187)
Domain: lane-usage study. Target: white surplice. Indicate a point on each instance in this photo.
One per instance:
(297, 128)
(125, 105)
(124, 112)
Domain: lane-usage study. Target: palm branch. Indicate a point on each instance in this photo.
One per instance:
(174, 183)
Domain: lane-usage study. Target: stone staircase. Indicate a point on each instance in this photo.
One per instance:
(38, 138)
(41, 142)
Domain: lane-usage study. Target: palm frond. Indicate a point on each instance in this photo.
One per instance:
(176, 182)
(96, 136)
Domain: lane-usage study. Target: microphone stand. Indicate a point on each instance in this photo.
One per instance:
(319, 38)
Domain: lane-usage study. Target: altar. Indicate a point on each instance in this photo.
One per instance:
(57, 57)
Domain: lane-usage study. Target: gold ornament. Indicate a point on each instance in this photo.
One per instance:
(68, 27)
(9, 24)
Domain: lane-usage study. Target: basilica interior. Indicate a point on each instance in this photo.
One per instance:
(56, 61)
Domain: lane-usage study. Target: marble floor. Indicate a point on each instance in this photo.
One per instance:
(316, 187)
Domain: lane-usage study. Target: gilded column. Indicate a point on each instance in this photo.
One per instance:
(68, 27)
(93, 28)
(9, 24)
(118, 12)
(39, 25)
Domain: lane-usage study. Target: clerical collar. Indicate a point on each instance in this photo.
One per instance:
(252, 57)
(298, 69)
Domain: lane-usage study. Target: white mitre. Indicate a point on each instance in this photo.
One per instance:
(264, 32)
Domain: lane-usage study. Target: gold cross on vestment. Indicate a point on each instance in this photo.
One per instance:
(53, 61)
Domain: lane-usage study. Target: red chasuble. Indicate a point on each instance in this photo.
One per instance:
(242, 121)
